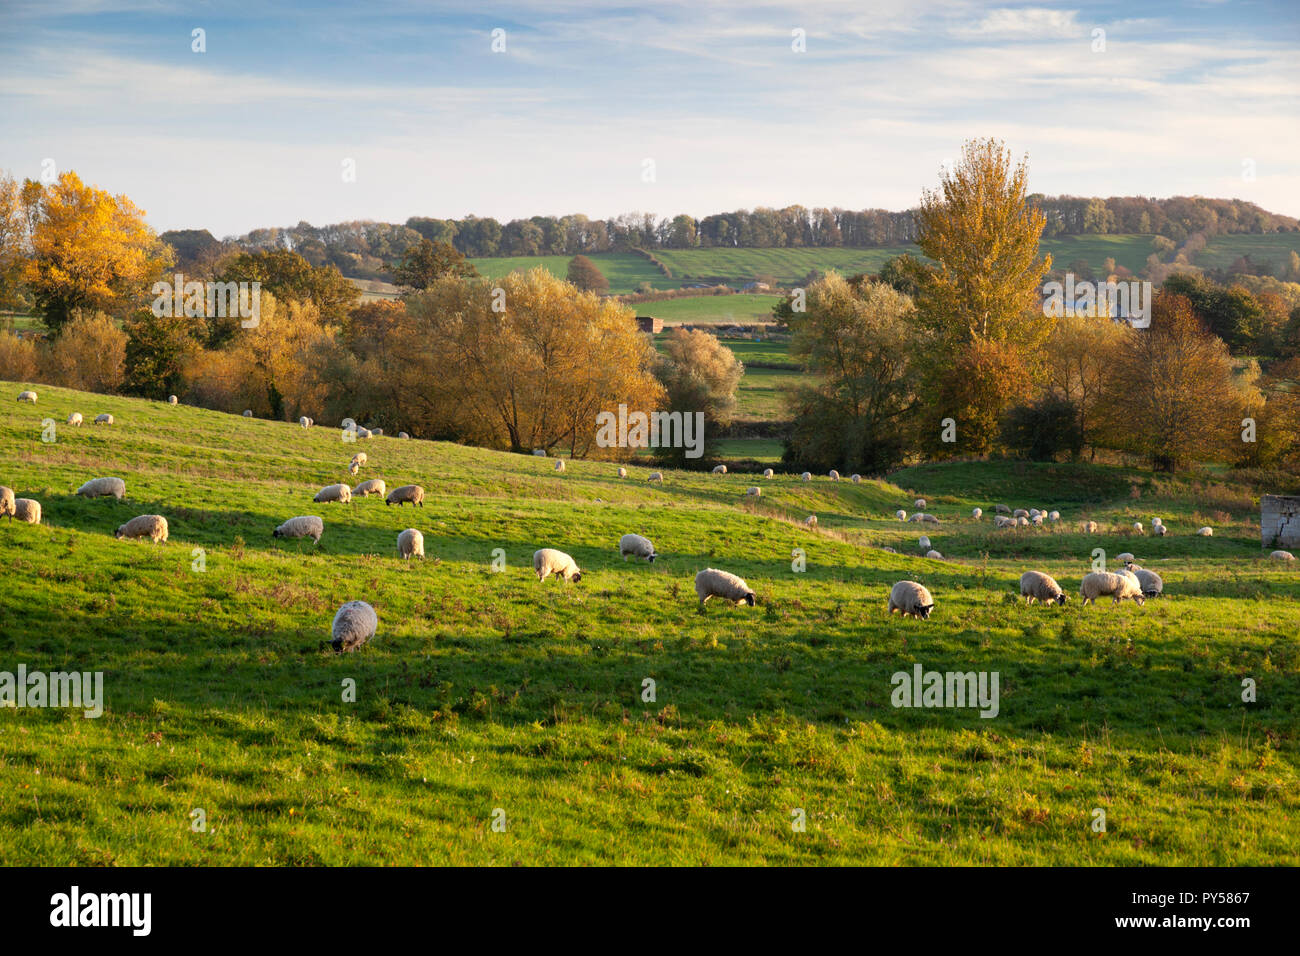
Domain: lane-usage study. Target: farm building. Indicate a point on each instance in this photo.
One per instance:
(649, 323)
(1279, 521)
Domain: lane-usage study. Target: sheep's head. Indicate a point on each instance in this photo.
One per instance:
(923, 612)
(276, 533)
(119, 533)
(651, 558)
(748, 599)
(1061, 598)
(577, 576)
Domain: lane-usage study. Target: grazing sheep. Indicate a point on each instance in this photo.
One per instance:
(810, 521)
(833, 475)
(1037, 520)
(1088, 527)
(6, 502)
(806, 476)
(364, 433)
(912, 599)
(767, 472)
(549, 561)
(1020, 513)
(934, 555)
(919, 516)
(1206, 532)
(353, 468)
(153, 527)
(1022, 522)
(412, 494)
(339, 493)
(103, 487)
(856, 479)
(636, 546)
(1137, 526)
(1038, 586)
(900, 514)
(1124, 557)
(929, 519)
(656, 476)
(104, 419)
(377, 432)
(559, 464)
(372, 486)
(1053, 516)
(1002, 509)
(248, 412)
(1158, 530)
(539, 452)
(305, 422)
(347, 423)
(1003, 521)
(977, 513)
(27, 396)
(1151, 584)
(410, 544)
(354, 624)
(1118, 586)
(403, 435)
(622, 472)
(75, 419)
(919, 503)
(1156, 520)
(303, 526)
(711, 583)
(1276, 555)
(360, 458)
(27, 509)
(923, 543)
(1034, 513)
(719, 469)
(172, 400)
(754, 492)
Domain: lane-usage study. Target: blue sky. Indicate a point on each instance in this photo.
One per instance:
(254, 131)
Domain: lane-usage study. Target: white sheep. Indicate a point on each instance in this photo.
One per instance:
(1088, 527)
(377, 432)
(929, 519)
(539, 452)
(302, 526)
(656, 476)
(919, 503)
(559, 464)
(1003, 521)
(1022, 521)
(104, 419)
(153, 527)
(1124, 557)
(1002, 509)
(1039, 586)
(719, 469)
(923, 543)
(407, 494)
(1118, 586)
(1206, 532)
(1037, 520)
(711, 583)
(912, 599)
(1020, 513)
(856, 479)
(1137, 526)
(977, 513)
(1282, 556)
(934, 555)
(1156, 520)
(410, 544)
(900, 514)
(754, 492)
(371, 486)
(360, 458)
(304, 421)
(6, 502)
(364, 433)
(810, 521)
(347, 423)
(248, 412)
(354, 624)
(28, 510)
(353, 468)
(622, 472)
(1054, 516)
(833, 475)
(1158, 530)
(339, 493)
(767, 472)
(27, 396)
(634, 545)
(75, 419)
(1034, 513)
(403, 435)
(103, 488)
(806, 476)
(549, 561)
(173, 400)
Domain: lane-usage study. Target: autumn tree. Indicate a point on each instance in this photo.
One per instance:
(699, 374)
(15, 242)
(89, 354)
(584, 275)
(290, 278)
(427, 261)
(1075, 364)
(1170, 395)
(159, 349)
(857, 343)
(89, 250)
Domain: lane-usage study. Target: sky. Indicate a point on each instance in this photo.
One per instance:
(664, 107)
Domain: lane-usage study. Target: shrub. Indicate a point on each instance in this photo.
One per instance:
(1043, 430)
(89, 354)
(17, 358)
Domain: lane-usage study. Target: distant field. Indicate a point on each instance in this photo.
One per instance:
(788, 266)
(1129, 251)
(712, 309)
(760, 449)
(758, 399)
(1275, 248)
(624, 270)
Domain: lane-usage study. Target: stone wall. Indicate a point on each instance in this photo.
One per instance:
(1279, 521)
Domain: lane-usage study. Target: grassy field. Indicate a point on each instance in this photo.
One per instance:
(711, 309)
(768, 371)
(624, 270)
(1274, 248)
(1129, 251)
(789, 266)
(488, 694)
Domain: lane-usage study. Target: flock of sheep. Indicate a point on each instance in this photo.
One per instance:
(356, 622)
